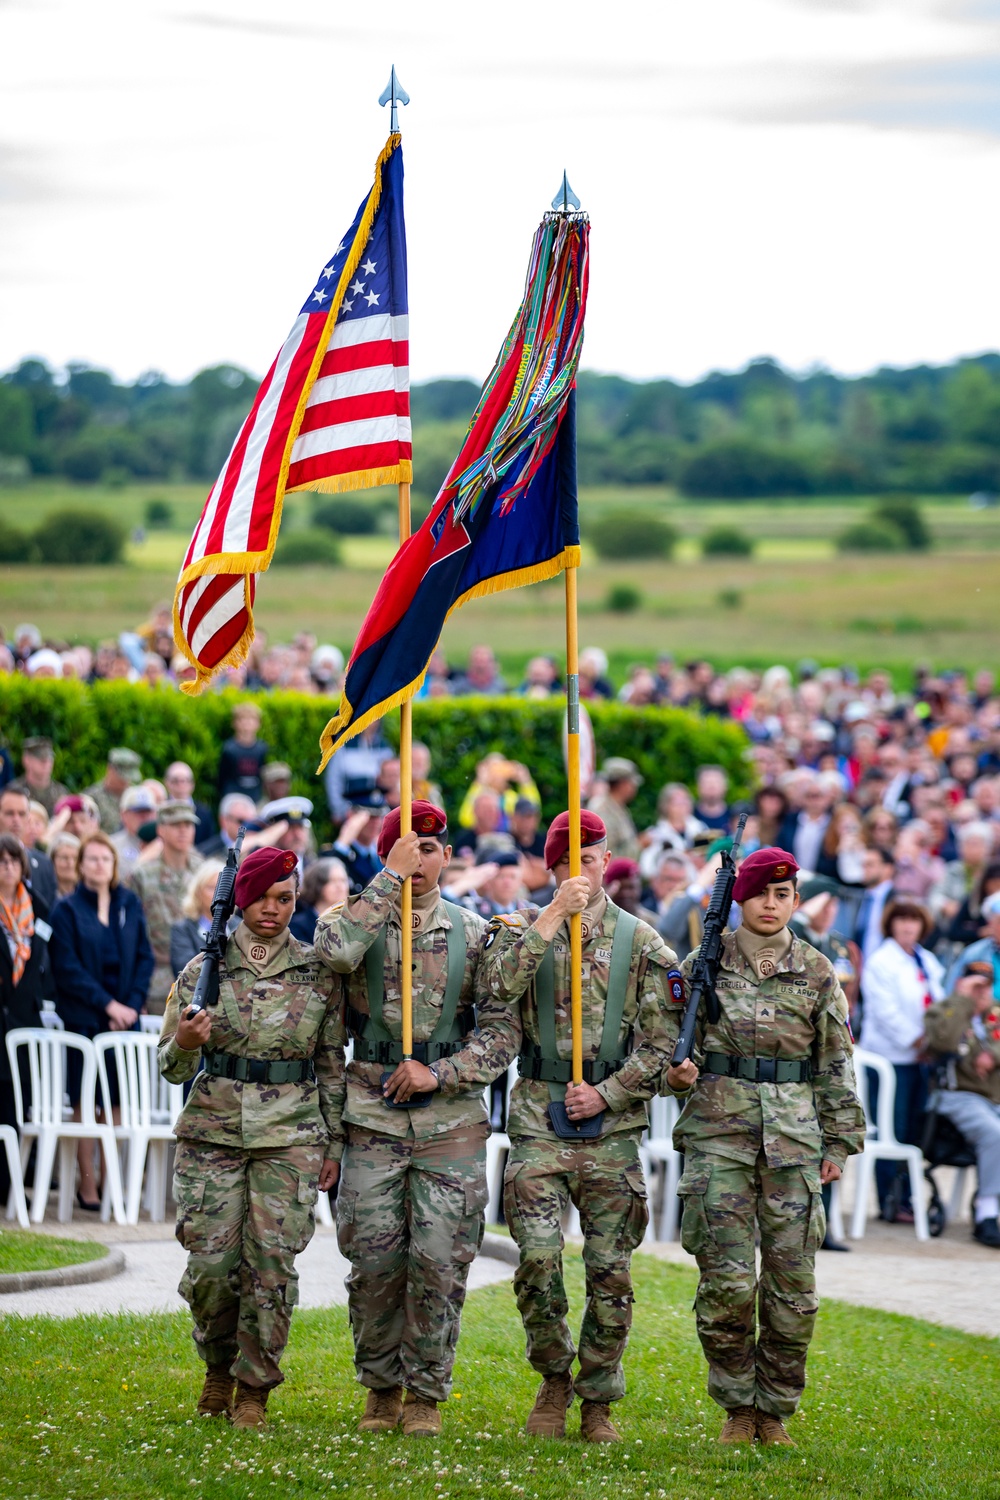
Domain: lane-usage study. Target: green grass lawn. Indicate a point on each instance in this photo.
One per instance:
(103, 1407)
(26, 1250)
(795, 597)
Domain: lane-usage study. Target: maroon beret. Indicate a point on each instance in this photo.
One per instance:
(258, 872)
(592, 831)
(427, 819)
(620, 869)
(762, 867)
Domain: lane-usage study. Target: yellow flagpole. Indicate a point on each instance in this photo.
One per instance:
(406, 821)
(573, 776)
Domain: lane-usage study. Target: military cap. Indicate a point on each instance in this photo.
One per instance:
(170, 813)
(592, 831)
(428, 820)
(137, 799)
(617, 768)
(126, 762)
(275, 770)
(258, 872)
(287, 810)
(761, 869)
(524, 805)
(704, 839)
(819, 885)
(620, 869)
(499, 857)
(40, 746)
(978, 969)
(363, 792)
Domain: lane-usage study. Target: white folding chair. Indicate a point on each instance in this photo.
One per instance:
(659, 1146)
(46, 1054)
(881, 1145)
(16, 1205)
(152, 1024)
(133, 1056)
(497, 1151)
(52, 1020)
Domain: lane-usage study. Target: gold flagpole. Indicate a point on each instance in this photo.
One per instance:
(573, 776)
(406, 822)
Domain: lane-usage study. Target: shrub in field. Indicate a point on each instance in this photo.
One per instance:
(84, 460)
(730, 598)
(82, 721)
(871, 536)
(302, 549)
(905, 514)
(345, 516)
(726, 541)
(16, 546)
(80, 536)
(623, 599)
(632, 533)
(159, 514)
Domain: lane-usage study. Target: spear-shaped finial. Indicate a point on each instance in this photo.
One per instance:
(565, 200)
(394, 94)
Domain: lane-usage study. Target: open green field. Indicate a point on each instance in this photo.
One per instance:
(796, 597)
(102, 1407)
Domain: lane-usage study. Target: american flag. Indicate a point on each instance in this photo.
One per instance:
(332, 413)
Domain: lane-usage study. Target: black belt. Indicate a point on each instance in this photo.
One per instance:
(387, 1054)
(257, 1070)
(560, 1070)
(759, 1069)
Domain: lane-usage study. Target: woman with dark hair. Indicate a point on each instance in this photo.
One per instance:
(102, 962)
(24, 935)
(898, 983)
(326, 883)
(775, 819)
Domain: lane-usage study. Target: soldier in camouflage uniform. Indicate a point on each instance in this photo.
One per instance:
(410, 1207)
(625, 978)
(161, 885)
(123, 770)
(259, 1135)
(772, 1117)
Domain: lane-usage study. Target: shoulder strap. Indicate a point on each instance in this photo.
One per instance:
(376, 1030)
(621, 966)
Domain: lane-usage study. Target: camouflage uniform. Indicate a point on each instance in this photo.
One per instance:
(48, 796)
(162, 889)
(623, 840)
(249, 1154)
(413, 1188)
(108, 806)
(752, 1158)
(603, 1177)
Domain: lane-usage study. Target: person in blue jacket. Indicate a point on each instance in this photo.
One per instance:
(102, 963)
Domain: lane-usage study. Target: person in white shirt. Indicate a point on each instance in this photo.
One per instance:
(898, 983)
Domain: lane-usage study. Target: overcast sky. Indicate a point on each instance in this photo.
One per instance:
(810, 179)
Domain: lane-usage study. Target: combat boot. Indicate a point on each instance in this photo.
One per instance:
(421, 1417)
(216, 1399)
(596, 1425)
(741, 1425)
(771, 1431)
(547, 1417)
(383, 1410)
(250, 1403)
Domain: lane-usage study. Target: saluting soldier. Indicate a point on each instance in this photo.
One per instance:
(626, 968)
(410, 1207)
(161, 885)
(259, 1136)
(772, 1116)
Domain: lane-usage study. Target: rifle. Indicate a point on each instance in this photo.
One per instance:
(223, 904)
(706, 965)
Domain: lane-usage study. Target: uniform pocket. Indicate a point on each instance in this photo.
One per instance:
(696, 1235)
(511, 1213)
(637, 1214)
(189, 1195)
(470, 1230)
(815, 1230)
(300, 1220)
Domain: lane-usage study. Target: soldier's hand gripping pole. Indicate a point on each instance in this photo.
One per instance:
(706, 965)
(223, 905)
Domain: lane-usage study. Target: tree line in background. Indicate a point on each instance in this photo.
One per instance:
(759, 432)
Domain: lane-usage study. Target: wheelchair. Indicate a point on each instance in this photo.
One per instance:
(943, 1145)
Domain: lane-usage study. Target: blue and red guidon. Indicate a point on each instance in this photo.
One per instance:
(332, 413)
(507, 512)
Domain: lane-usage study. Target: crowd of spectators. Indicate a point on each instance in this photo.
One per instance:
(889, 801)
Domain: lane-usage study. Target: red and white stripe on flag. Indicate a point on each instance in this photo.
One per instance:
(332, 413)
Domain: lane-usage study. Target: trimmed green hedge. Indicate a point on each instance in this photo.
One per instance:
(667, 744)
